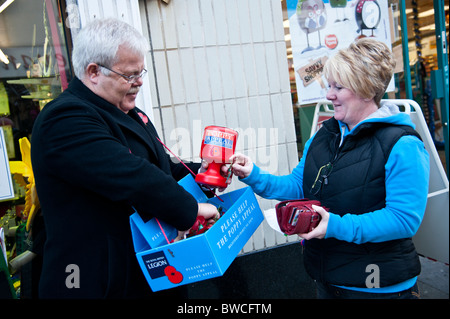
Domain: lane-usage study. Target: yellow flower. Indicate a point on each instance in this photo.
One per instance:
(23, 174)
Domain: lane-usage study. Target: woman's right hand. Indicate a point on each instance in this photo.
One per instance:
(242, 165)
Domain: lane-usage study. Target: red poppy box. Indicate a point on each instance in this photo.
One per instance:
(200, 257)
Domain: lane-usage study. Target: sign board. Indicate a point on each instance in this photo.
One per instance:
(320, 28)
(6, 184)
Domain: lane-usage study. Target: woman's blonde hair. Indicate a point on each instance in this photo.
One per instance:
(365, 67)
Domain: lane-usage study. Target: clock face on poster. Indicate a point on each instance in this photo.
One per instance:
(369, 12)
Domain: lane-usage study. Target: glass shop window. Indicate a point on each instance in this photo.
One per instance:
(34, 64)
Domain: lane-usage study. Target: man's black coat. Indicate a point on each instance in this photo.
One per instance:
(92, 164)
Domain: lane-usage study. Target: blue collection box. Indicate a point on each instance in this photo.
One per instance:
(200, 257)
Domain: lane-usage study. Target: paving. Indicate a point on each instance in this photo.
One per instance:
(433, 280)
(279, 274)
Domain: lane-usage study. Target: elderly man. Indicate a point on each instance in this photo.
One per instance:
(96, 156)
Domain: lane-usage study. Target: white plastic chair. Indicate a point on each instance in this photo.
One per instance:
(432, 238)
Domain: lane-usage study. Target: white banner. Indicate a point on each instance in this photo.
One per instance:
(319, 28)
(6, 185)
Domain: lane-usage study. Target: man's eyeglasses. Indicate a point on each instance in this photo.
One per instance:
(129, 78)
(321, 178)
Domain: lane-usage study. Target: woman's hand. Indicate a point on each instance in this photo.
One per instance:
(242, 165)
(321, 229)
(225, 171)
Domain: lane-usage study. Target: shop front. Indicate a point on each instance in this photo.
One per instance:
(34, 69)
(226, 63)
(190, 85)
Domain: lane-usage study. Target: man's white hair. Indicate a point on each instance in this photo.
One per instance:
(99, 41)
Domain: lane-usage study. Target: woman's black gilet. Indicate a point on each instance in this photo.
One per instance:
(356, 185)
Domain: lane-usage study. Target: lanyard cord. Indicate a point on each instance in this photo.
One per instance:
(162, 229)
(193, 174)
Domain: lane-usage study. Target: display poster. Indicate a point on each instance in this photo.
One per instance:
(6, 185)
(320, 28)
(4, 103)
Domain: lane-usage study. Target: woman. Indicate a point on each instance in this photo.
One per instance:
(370, 168)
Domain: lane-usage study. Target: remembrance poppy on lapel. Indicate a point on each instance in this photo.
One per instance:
(143, 117)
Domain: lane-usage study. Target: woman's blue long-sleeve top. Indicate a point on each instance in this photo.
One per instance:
(407, 178)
